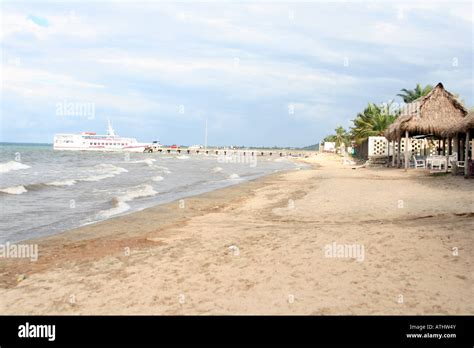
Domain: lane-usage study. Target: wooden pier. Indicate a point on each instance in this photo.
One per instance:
(230, 152)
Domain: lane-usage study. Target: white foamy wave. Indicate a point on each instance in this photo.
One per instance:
(12, 165)
(110, 168)
(120, 205)
(14, 190)
(97, 177)
(119, 208)
(182, 157)
(158, 178)
(280, 160)
(105, 171)
(138, 192)
(148, 161)
(234, 176)
(62, 183)
(217, 169)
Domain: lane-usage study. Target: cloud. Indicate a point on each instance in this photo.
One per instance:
(238, 64)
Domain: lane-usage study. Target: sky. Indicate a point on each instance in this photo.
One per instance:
(261, 73)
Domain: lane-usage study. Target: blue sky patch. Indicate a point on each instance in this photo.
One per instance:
(41, 21)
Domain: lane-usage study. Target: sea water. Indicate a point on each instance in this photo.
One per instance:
(45, 192)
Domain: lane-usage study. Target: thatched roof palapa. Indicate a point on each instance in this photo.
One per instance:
(392, 132)
(433, 114)
(460, 126)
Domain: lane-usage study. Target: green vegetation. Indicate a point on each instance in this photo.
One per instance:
(374, 119)
(410, 95)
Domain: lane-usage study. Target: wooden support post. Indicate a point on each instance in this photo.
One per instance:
(447, 154)
(399, 151)
(406, 151)
(388, 154)
(393, 155)
(456, 146)
(466, 155)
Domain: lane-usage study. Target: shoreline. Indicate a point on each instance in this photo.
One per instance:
(258, 248)
(124, 224)
(134, 198)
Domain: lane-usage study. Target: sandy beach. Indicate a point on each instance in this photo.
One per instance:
(259, 248)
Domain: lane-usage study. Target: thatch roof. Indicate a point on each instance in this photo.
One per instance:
(392, 132)
(431, 114)
(460, 126)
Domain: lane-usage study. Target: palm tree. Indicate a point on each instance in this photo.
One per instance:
(410, 95)
(372, 121)
(341, 136)
(330, 138)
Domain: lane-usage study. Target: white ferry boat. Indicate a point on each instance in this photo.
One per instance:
(90, 141)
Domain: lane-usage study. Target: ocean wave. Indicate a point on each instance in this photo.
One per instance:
(147, 161)
(217, 169)
(234, 176)
(119, 204)
(161, 169)
(69, 182)
(158, 178)
(104, 171)
(182, 157)
(14, 190)
(12, 165)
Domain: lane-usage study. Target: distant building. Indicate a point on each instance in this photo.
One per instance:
(329, 146)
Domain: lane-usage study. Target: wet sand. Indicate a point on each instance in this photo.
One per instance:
(260, 248)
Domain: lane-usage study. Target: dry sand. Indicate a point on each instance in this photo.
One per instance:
(259, 248)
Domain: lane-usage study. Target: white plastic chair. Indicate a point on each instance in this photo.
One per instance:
(452, 159)
(438, 164)
(419, 163)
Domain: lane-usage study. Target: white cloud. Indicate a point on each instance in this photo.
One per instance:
(149, 58)
(68, 23)
(18, 76)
